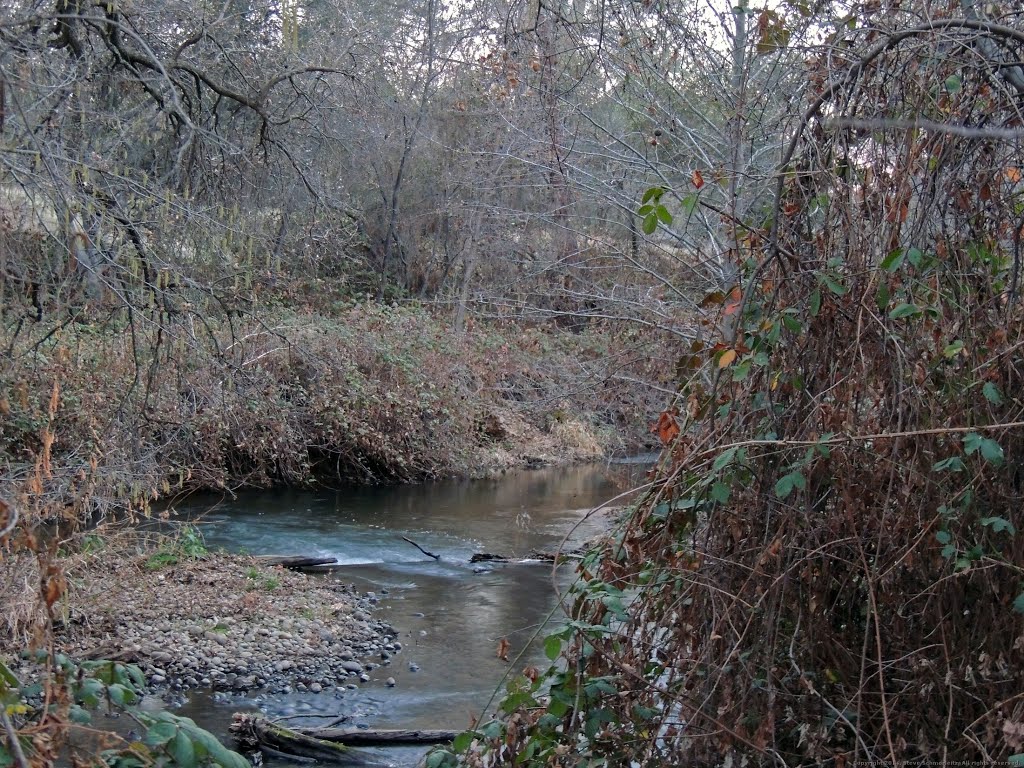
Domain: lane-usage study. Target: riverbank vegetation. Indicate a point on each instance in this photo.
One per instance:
(391, 243)
(370, 394)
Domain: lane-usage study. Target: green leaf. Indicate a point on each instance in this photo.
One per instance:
(1016, 760)
(784, 486)
(904, 310)
(121, 695)
(654, 193)
(79, 715)
(893, 261)
(972, 442)
(650, 224)
(998, 524)
(1018, 603)
(7, 678)
(491, 730)
(834, 285)
(992, 451)
(815, 302)
(720, 492)
(943, 537)
(160, 733)
(949, 551)
(741, 371)
(688, 204)
(663, 215)
(953, 464)
(90, 692)
(792, 324)
(953, 84)
(882, 297)
(915, 256)
(552, 647)
(462, 741)
(953, 349)
(991, 393)
(723, 459)
(440, 758)
(183, 752)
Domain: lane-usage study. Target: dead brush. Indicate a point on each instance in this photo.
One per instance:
(828, 567)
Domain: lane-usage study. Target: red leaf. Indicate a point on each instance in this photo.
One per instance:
(667, 429)
(732, 306)
(698, 179)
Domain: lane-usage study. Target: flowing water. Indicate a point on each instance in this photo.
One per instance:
(450, 615)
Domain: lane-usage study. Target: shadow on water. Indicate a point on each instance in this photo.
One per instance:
(449, 614)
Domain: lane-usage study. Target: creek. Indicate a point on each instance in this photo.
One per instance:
(450, 615)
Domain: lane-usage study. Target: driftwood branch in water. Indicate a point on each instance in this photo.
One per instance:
(258, 733)
(296, 561)
(533, 557)
(421, 549)
(329, 745)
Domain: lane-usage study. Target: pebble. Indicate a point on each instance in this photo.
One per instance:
(231, 649)
(390, 682)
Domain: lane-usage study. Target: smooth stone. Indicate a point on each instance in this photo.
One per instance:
(390, 682)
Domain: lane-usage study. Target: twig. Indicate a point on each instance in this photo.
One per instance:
(12, 517)
(965, 131)
(421, 549)
(12, 737)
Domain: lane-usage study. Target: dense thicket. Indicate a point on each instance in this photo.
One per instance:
(827, 565)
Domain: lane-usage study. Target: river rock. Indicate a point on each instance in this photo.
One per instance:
(352, 666)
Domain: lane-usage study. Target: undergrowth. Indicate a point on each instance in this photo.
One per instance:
(378, 394)
(827, 568)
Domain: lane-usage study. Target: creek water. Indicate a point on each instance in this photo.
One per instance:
(450, 615)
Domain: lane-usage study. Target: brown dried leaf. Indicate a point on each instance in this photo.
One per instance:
(504, 646)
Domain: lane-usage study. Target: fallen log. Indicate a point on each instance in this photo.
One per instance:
(339, 746)
(379, 737)
(295, 562)
(258, 734)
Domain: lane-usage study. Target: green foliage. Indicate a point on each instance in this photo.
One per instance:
(258, 580)
(187, 544)
(652, 211)
(167, 740)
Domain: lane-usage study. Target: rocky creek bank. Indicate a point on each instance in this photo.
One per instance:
(226, 622)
